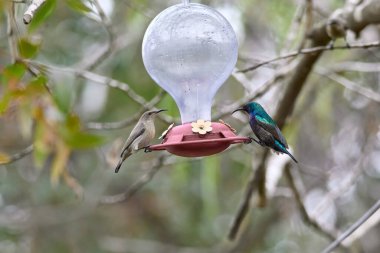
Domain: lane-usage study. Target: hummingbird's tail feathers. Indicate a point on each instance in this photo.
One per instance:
(119, 165)
(122, 159)
(291, 156)
(280, 147)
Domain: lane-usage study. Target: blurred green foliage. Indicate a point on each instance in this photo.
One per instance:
(49, 200)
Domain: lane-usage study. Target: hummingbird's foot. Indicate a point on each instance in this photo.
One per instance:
(331, 45)
(249, 140)
(257, 141)
(147, 149)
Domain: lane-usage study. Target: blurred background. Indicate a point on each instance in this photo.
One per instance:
(61, 116)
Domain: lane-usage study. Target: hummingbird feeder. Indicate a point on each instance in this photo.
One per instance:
(190, 50)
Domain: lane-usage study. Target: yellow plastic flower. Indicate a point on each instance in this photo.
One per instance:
(201, 127)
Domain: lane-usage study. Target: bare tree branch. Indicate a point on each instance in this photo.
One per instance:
(104, 81)
(348, 84)
(33, 7)
(19, 155)
(107, 51)
(305, 216)
(347, 181)
(309, 22)
(128, 121)
(244, 206)
(318, 42)
(285, 108)
(363, 229)
(11, 24)
(139, 184)
(101, 53)
(312, 50)
(355, 66)
(353, 227)
(260, 91)
(294, 28)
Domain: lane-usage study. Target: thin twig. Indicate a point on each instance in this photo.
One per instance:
(138, 185)
(356, 66)
(15, 157)
(33, 7)
(129, 121)
(244, 206)
(348, 84)
(73, 184)
(294, 28)
(101, 80)
(363, 229)
(142, 10)
(113, 125)
(346, 182)
(305, 216)
(91, 76)
(353, 227)
(11, 32)
(105, 50)
(311, 51)
(110, 42)
(309, 21)
(309, 9)
(254, 95)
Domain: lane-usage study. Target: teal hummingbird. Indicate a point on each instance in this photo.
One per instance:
(265, 129)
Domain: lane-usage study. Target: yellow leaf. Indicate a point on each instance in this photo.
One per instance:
(59, 163)
(4, 158)
(73, 184)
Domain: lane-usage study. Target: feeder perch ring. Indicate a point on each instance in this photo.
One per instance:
(182, 141)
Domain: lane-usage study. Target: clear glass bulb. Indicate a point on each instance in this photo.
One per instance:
(190, 51)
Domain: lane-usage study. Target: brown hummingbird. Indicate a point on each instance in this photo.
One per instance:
(140, 137)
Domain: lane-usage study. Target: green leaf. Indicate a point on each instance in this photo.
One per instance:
(78, 6)
(41, 150)
(4, 102)
(59, 163)
(74, 137)
(82, 140)
(10, 77)
(63, 96)
(13, 73)
(27, 49)
(34, 88)
(42, 14)
(37, 85)
(73, 123)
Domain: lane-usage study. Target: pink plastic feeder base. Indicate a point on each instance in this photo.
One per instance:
(181, 141)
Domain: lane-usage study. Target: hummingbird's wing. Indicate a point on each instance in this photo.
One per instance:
(268, 124)
(134, 135)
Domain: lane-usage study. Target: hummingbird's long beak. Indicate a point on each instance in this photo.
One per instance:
(162, 110)
(238, 109)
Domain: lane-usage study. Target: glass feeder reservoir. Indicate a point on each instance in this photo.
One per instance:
(190, 50)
